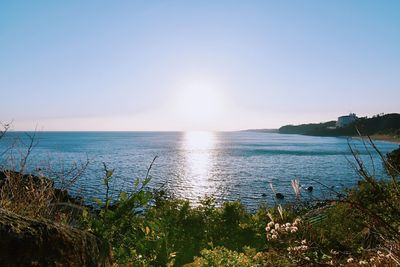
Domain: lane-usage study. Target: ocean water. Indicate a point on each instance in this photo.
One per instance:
(190, 165)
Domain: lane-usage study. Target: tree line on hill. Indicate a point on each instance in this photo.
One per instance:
(388, 124)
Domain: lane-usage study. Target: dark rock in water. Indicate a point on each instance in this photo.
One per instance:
(279, 196)
(263, 194)
(310, 189)
(32, 242)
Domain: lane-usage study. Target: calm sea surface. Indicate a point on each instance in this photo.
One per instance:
(190, 165)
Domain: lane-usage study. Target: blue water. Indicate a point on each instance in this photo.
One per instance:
(225, 165)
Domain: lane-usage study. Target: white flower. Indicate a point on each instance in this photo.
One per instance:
(350, 260)
(277, 226)
(304, 247)
(303, 242)
(334, 252)
(270, 224)
(267, 228)
(274, 237)
(362, 262)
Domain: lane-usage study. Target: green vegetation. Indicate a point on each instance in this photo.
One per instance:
(149, 229)
(388, 124)
(306, 128)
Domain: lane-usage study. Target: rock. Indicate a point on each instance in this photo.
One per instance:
(60, 195)
(32, 242)
(279, 196)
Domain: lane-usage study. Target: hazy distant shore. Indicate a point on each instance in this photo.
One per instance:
(386, 138)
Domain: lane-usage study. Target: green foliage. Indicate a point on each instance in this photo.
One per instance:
(223, 257)
(123, 223)
(380, 124)
(149, 229)
(187, 230)
(306, 128)
(340, 229)
(393, 162)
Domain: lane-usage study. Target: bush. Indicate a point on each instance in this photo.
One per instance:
(222, 256)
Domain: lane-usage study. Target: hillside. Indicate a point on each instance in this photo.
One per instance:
(388, 124)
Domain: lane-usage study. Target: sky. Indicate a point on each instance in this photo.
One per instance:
(195, 65)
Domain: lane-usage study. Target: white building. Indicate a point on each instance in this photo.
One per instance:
(346, 120)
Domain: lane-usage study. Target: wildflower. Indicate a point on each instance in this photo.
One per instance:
(296, 187)
(294, 229)
(307, 258)
(288, 225)
(270, 224)
(267, 228)
(304, 241)
(280, 210)
(274, 237)
(334, 252)
(277, 226)
(350, 260)
(362, 262)
(296, 222)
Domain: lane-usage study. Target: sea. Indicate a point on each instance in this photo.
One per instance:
(247, 166)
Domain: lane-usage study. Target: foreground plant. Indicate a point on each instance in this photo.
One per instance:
(122, 222)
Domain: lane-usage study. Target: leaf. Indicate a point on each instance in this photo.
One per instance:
(109, 173)
(326, 257)
(146, 181)
(123, 196)
(98, 201)
(85, 214)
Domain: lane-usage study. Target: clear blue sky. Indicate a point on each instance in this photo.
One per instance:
(189, 65)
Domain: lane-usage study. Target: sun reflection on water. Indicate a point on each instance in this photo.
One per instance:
(198, 148)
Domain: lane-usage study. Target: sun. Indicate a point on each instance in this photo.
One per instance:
(199, 104)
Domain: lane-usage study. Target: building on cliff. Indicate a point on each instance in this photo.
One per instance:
(343, 121)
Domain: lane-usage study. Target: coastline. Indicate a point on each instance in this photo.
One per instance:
(386, 138)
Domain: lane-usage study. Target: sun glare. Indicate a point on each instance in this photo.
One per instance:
(199, 105)
(199, 147)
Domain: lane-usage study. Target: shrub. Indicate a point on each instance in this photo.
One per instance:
(221, 256)
(123, 224)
